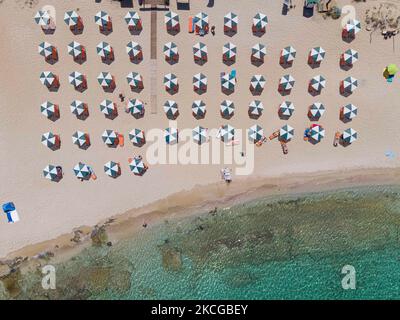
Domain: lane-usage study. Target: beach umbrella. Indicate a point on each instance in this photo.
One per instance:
(349, 136)
(76, 79)
(82, 171)
(81, 139)
(108, 107)
(200, 51)
(288, 54)
(136, 136)
(317, 54)
(349, 84)
(286, 133)
(352, 26)
(49, 109)
(110, 137)
(258, 51)
(316, 110)
(137, 166)
(48, 78)
(42, 18)
(105, 79)
(318, 83)
(171, 135)
(349, 111)
(170, 50)
(257, 82)
(104, 50)
(171, 20)
(255, 108)
(136, 107)
(199, 109)
(133, 20)
(199, 82)
(50, 172)
(350, 56)
(102, 19)
(392, 69)
(199, 135)
(227, 109)
(255, 133)
(112, 169)
(228, 82)
(135, 80)
(286, 83)
(134, 50)
(77, 107)
(45, 49)
(75, 49)
(286, 109)
(201, 20)
(71, 18)
(317, 133)
(229, 51)
(171, 109)
(50, 140)
(227, 133)
(260, 21)
(170, 82)
(231, 21)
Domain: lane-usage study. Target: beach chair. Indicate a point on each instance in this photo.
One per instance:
(121, 140)
(274, 135)
(336, 139)
(191, 25)
(284, 147)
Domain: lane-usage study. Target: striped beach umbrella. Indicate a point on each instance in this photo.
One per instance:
(288, 54)
(257, 83)
(136, 136)
(105, 79)
(48, 109)
(76, 79)
(200, 51)
(255, 108)
(77, 107)
(317, 132)
(199, 109)
(231, 21)
(258, 51)
(229, 51)
(171, 20)
(352, 26)
(286, 83)
(136, 107)
(260, 21)
(226, 133)
(170, 82)
(50, 172)
(134, 50)
(316, 55)
(135, 80)
(201, 20)
(286, 133)
(81, 139)
(171, 135)
(199, 82)
(350, 56)
(82, 171)
(50, 140)
(199, 135)
(71, 18)
(112, 169)
(102, 19)
(349, 136)
(48, 78)
(133, 20)
(227, 109)
(228, 82)
(171, 109)
(137, 166)
(42, 18)
(76, 50)
(108, 107)
(45, 49)
(104, 50)
(255, 133)
(170, 50)
(349, 85)
(286, 109)
(349, 111)
(110, 137)
(317, 83)
(316, 110)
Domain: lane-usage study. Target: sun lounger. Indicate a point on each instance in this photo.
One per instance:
(191, 25)
(274, 135)
(336, 139)
(121, 140)
(306, 134)
(284, 147)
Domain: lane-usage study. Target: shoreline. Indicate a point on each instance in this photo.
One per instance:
(198, 201)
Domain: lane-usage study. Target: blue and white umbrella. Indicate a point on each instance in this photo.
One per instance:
(102, 18)
(110, 137)
(80, 139)
(136, 136)
(47, 78)
(200, 51)
(48, 109)
(286, 83)
(170, 81)
(135, 107)
(82, 171)
(171, 109)
(112, 169)
(71, 18)
(133, 49)
(42, 18)
(231, 21)
(135, 80)
(288, 54)
(199, 135)
(199, 82)
(259, 51)
(137, 166)
(256, 108)
(349, 111)
(229, 50)
(76, 79)
(201, 20)
(227, 109)
(75, 49)
(349, 136)
(226, 133)
(171, 20)
(286, 133)
(51, 173)
(317, 133)
(228, 82)
(77, 107)
(350, 56)
(104, 49)
(105, 79)
(132, 19)
(317, 83)
(317, 110)
(286, 108)
(50, 140)
(352, 26)
(171, 135)
(255, 133)
(108, 107)
(317, 54)
(349, 84)
(260, 21)
(257, 82)
(199, 109)
(170, 50)
(45, 49)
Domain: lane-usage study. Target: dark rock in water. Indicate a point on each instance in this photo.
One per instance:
(171, 258)
(99, 236)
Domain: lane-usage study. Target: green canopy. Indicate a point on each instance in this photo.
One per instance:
(392, 69)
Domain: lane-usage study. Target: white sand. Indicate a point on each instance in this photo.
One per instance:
(49, 209)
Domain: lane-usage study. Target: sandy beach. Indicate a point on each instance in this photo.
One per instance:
(49, 210)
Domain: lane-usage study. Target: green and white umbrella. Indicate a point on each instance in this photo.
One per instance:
(228, 82)
(286, 108)
(42, 18)
(256, 108)
(102, 18)
(108, 107)
(255, 133)
(171, 109)
(200, 51)
(317, 133)
(317, 54)
(318, 83)
(133, 49)
(227, 109)
(137, 166)
(171, 20)
(132, 19)
(350, 84)
(288, 54)
(47, 78)
(82, 171)
(286, 133)
(135, 80)
(171, 135)
(229, 50)
(105, 79)
(350, 111)
(110, 137)
(71, 18)
(353, 26)
(286, 83)
(45, 49)
(112, 169)
(226, 133)
(135, 107)
(260, 21)
(77, 107)
(76, 79)
(199, 135)
(349, 136)
(136, 136)
(317, 110)
(231, 21)
(50, 172)
(75, 49)
(199, 82)
(170, 50)
(259, 51)
(257, 82)
(350, 56)
(170, 81)
(80, 139)
(199, 108)
(49, 140)
(201, 20)
(48, 109)
(103, 49)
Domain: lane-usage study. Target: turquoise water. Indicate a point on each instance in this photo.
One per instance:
(274, 248)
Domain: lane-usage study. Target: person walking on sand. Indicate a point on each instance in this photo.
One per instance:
(213, 30)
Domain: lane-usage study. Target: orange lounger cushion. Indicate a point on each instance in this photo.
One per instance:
(191, 25)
